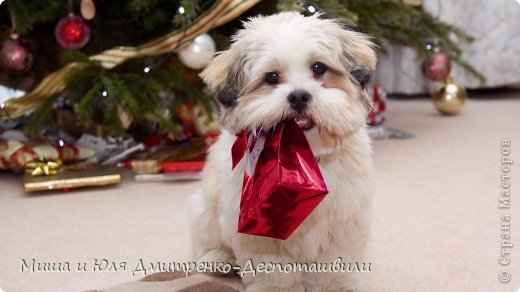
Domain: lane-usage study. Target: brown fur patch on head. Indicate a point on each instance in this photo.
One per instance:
(358, 51)
(344, 83)
(258, 92)
(341, 82)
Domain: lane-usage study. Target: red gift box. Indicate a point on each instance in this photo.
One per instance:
(282, 181)
(169, 167)
(377, 95)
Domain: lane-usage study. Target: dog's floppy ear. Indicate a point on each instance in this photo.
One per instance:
(224, 77)
(360, 59)
(360, 56)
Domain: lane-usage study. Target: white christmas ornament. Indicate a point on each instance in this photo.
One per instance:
(199, 53)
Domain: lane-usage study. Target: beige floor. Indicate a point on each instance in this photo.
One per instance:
(436, 222)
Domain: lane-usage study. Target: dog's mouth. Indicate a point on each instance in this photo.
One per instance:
(304, 122)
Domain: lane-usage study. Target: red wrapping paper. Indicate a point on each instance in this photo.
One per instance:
(282, 181)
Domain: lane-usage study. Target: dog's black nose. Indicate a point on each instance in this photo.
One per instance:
(299, 99)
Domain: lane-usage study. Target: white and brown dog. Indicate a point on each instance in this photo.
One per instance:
(313, 70)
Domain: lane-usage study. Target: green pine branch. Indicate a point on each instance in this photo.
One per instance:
(99, 95)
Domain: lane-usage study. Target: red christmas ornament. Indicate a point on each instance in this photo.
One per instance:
(72, 32)
(16, 55)
(437, 67)
(282, 181)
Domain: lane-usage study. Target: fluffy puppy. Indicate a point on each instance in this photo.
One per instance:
(311, 69)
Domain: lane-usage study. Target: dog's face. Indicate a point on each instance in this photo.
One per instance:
(290, 66)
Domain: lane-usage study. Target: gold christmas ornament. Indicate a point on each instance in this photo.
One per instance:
(449, 98)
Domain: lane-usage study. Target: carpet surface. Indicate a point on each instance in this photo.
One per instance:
(178, 281)
(436, 222)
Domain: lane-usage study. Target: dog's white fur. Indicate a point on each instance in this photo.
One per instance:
(290, 44)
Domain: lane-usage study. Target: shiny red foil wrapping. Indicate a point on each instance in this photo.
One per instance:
(285, 185)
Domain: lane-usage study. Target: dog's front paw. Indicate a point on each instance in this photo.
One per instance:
(359, 286)
(262, 287)
(216, 256)
(337, 282)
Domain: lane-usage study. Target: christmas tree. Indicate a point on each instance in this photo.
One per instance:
(130, 66)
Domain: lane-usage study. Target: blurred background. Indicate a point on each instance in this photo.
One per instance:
(104, 80)
(105, 96)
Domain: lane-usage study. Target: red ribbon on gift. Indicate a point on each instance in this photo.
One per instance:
(239, 148)
(285, 184)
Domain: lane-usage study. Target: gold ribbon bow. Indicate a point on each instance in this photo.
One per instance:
(42, 166)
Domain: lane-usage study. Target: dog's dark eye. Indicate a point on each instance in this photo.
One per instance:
(272, 78)
(318, 69)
